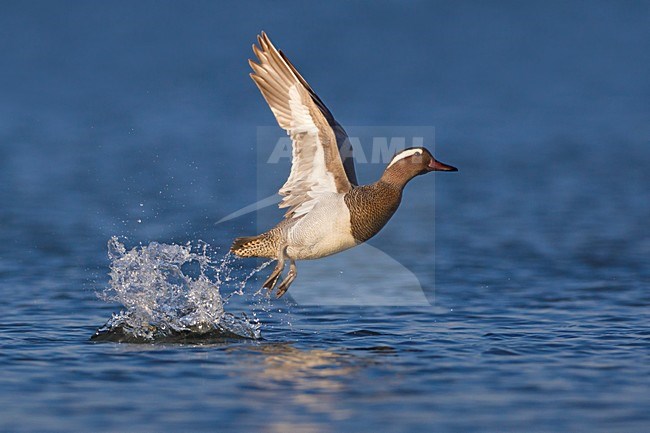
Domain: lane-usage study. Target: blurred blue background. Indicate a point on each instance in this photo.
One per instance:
(139, 119)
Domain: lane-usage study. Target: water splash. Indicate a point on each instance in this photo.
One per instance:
(171, 294)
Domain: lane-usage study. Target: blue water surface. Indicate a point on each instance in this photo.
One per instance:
(139, 120)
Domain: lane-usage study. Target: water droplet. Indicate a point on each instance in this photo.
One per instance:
(160, 299)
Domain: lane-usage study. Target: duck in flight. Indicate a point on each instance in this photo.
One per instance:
(327, 212)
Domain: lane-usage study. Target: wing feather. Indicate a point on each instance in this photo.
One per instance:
(316, 166)
(342, 139)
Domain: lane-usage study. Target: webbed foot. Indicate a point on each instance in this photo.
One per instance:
(272, 280)
(291, 275)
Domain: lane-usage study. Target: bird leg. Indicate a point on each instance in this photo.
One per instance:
(272, 280)
(291, 275)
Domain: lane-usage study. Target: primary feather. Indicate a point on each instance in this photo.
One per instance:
(316, 166)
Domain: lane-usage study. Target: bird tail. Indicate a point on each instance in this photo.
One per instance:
(254, 246)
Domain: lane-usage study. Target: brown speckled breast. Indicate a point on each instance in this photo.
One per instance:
(371, 206)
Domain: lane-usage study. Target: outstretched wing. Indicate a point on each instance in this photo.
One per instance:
(342, 139)
(316, 166)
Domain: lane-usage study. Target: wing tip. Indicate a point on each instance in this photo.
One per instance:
(254, 65)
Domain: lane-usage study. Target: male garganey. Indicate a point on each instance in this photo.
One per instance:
(327, 211)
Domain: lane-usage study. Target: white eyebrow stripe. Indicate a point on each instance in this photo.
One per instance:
(405, 154)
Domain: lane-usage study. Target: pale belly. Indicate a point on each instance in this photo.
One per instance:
(322, 232)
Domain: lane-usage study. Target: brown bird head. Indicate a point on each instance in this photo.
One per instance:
(412, 162)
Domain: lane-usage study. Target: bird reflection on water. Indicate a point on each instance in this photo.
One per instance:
(316, 377)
